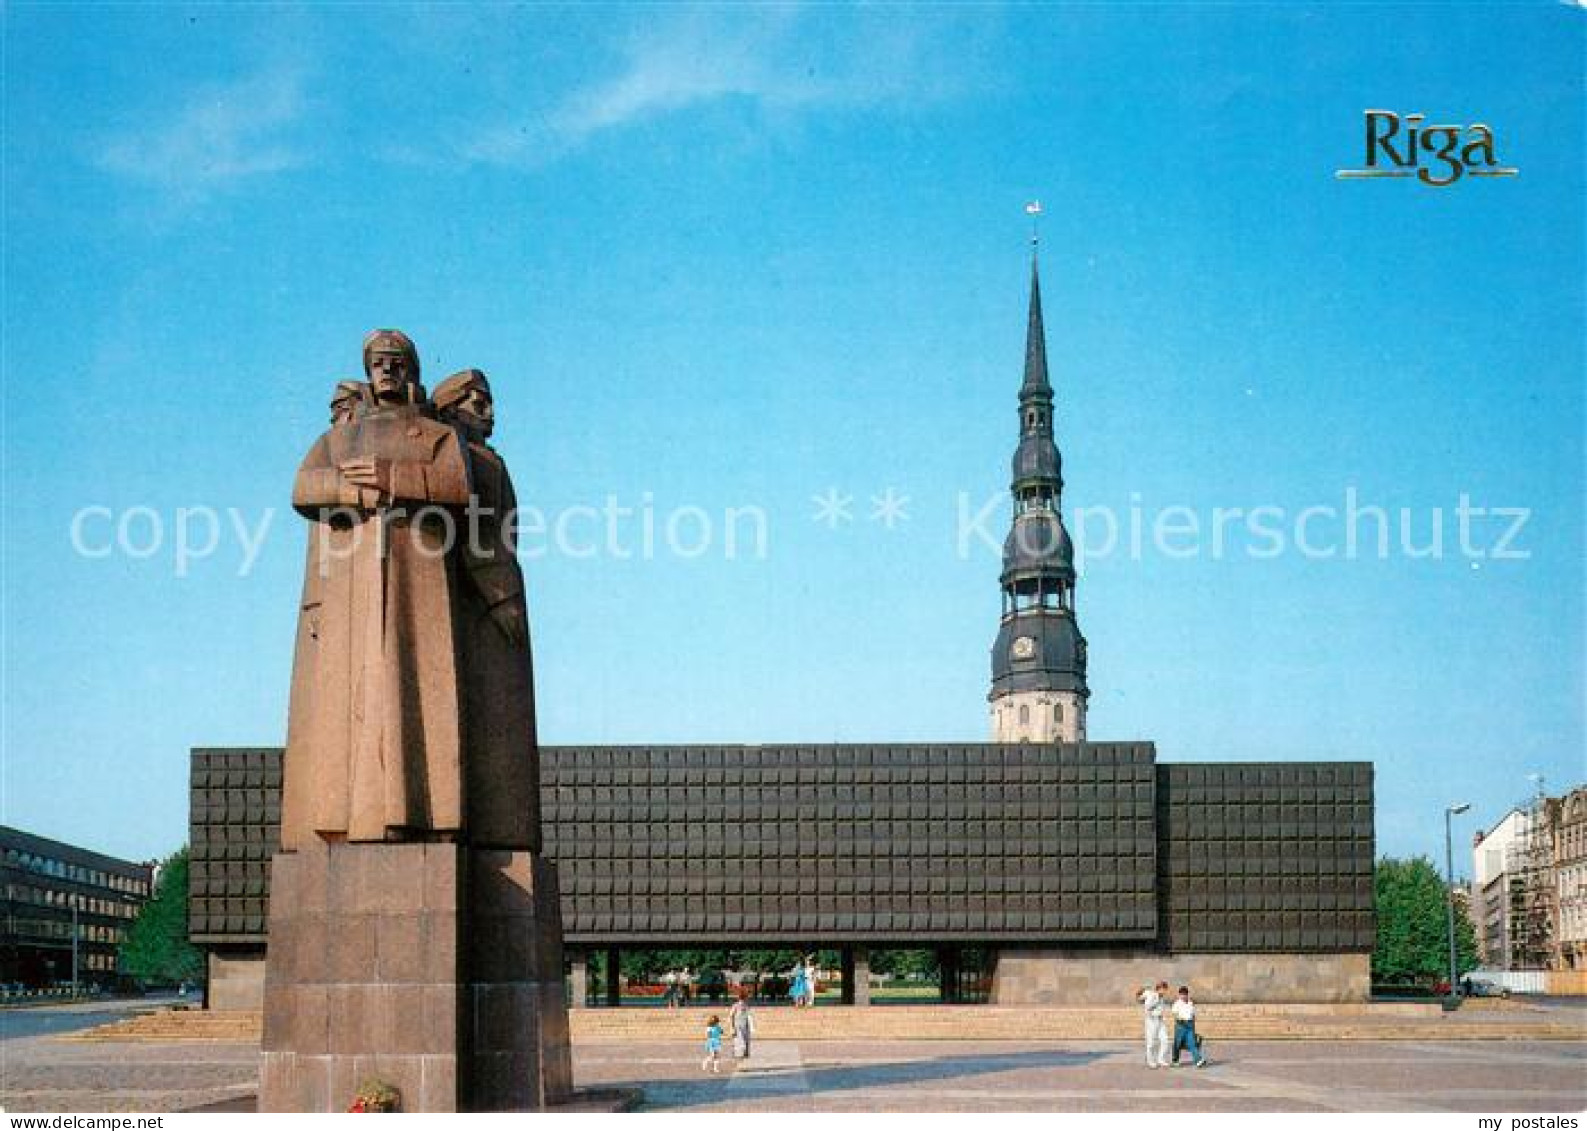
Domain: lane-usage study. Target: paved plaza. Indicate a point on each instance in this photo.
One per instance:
(45, 1074)
(987, 1076)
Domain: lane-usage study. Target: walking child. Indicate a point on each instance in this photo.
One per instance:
(1185, 1028)
(796, 987)
(713, 1045)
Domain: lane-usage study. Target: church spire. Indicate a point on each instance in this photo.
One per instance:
(1036, 384)
(1039, 690)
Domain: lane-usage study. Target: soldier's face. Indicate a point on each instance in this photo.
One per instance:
(389, 376)
(479, 405)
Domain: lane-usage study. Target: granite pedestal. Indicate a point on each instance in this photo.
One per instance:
(434, 967)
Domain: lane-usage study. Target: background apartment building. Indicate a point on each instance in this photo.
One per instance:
(1529, 886)
(59, 900)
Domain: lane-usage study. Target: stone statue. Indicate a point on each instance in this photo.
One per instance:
(501, 760)
(349, 400)
(374, 734)
(414, 924)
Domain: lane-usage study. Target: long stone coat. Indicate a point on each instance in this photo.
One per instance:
(375, 731)
(502, 765)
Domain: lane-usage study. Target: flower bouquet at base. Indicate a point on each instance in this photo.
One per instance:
(376, 1095)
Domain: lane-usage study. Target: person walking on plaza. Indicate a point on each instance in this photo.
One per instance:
(1152, 1008)
(1185, 1028)
(1165, 1035)
(743, 1026)
(796, 985)
(713, 1045)
(810, 979)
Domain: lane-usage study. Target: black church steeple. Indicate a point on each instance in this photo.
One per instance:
(1039, 660)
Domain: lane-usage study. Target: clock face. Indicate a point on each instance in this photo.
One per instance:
(1024, 647)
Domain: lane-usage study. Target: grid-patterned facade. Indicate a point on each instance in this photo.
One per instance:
(893, 843)
(235, 819)
(1266, 857)
(853, 842)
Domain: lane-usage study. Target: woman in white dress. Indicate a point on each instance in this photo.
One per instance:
(743, 1023)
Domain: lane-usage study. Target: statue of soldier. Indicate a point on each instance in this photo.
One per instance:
(501, 763)
(375, 730)
(348, 400)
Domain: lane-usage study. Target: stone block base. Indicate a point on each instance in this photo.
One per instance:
(1111, 976)
(236, 978)
(433, 967)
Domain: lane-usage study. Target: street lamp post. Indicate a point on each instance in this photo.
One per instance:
(1449, 890)
(74, 947)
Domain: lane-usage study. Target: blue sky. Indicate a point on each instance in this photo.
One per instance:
(726, 258)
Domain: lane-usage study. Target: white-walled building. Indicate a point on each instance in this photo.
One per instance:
(1496, 866)
(1504, 900)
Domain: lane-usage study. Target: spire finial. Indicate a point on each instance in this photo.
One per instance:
(1035, 384)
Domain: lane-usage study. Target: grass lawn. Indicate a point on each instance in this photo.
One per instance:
(910, 991)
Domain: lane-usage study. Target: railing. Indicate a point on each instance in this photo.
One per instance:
(54, 993)
(1516, 981)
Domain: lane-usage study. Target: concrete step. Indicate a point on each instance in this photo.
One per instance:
(925, 1022)
(1364, 1022)
(178, 1025)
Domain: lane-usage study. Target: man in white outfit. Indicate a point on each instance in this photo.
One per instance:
(1165, 1032)
(1153, 1007)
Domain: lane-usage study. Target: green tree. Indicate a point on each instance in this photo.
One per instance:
(157, 948)
(1413, 932)
(919, 964)
(767, 963)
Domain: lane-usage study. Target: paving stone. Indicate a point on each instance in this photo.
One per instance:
(46, 1074)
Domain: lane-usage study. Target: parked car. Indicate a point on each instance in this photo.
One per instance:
(1481, 987)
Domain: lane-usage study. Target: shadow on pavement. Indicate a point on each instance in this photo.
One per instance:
(775, 1084)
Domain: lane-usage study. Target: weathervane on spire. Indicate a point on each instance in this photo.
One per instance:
(1033, 210)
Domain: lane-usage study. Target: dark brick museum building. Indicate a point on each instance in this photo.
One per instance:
(1079, 869)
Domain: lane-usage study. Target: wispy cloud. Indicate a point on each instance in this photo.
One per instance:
(218, 136)
(777, 59)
